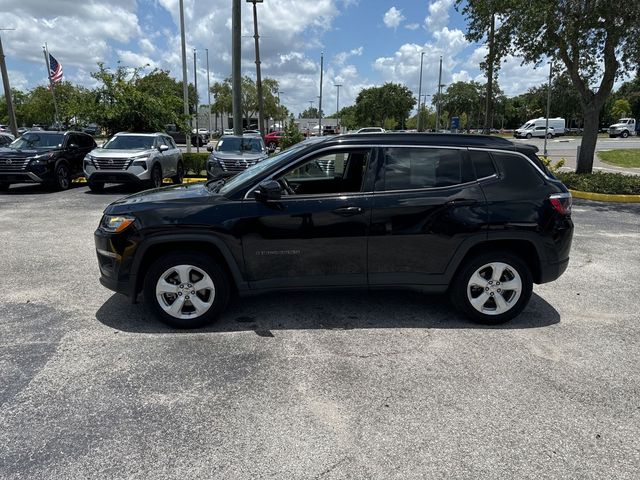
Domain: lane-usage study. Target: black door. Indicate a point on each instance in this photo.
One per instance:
(317, 233)
(425, 205)
(77, 147)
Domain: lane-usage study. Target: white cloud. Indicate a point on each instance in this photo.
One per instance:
(393, 18)
(461, 76)
(438, 14)
(342, 57)
(136, 60)
(412, 26)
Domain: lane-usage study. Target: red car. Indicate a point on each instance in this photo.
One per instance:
(272, 140)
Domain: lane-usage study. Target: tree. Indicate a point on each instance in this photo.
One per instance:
(462, 98)
(620, 109)
(223, 96)
(630, 91)
(311, 112)
(377, 104)
(591, 39)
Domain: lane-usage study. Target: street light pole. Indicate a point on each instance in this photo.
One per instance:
(420, 93)
(7, 90)
(185, 86)
(208, 91)
(320, 100)
(280, 108)
(195, 84)
(338, 104)
(258, 73)
(546, 122)
(236, 54)
(438, 101)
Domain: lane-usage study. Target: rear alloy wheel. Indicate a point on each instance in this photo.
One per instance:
(63, 177)
(156, 177)
(492, 288)
(179, 176)
(186, 291)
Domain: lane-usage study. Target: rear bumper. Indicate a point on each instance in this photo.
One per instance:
(552, 270)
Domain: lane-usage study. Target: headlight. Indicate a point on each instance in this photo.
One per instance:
(40, 159)
(115, 223)
(140, 157)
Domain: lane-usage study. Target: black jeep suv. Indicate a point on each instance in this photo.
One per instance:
(53, 158)
(477, 216)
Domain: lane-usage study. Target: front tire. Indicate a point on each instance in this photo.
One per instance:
(179, 176)
(96, 187)
(528, 136)
(272, 146)
(492, 288)
(625, 134)
(62, 177)
(156, 177)
(185, 290)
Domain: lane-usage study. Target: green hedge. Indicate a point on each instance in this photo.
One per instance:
(195, 164)
(600, 182)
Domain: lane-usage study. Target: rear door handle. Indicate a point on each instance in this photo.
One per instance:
(348, 211)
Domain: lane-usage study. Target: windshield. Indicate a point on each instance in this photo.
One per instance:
(255, 170)
(129, 142)
(526, 126)
(237, 144)
(35, 140)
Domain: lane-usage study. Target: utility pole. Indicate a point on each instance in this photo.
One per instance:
(546, 122)
(208, 91)
(439, 92)
(280, 108)
(489, 106)
(185, 86)
(236, 53)
(320, 100)
(338, 104)
(418, 125)
(258, 73)
(195, 85)
(7, 90)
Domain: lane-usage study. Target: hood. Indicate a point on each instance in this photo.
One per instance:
(114, 153)
(6, 152)
(622, 125)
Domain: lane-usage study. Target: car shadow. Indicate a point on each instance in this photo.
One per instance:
(36, 188)
(607, 207)
(119, 188)
(325, 310)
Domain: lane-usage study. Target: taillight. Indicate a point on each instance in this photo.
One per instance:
(561, 202)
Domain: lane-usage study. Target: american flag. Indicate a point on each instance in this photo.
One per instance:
(55, 69)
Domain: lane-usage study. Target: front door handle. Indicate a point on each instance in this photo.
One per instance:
(348, 211)
(461, 202)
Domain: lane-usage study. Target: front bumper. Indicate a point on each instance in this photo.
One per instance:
(20, 177)
(116, 254)
(133, 174)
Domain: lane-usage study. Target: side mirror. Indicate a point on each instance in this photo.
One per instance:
(163, 148)
(268, 190)
(209, 148)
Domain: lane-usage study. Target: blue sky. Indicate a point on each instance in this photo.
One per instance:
(365, 43)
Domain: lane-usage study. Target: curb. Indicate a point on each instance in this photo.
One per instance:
(166, 180)
(604, 197)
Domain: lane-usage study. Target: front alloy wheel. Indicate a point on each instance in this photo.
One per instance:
(186, 291)
(156, 177)
(492, 288)
(63, 177)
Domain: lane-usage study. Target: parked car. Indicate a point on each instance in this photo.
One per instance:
(5, 139)
(371, 130)
(272, 140)
(52, 158)
(179, 136)
(22, 130)
(537, 132)
(92, 129)
(477, 216)
(134, 158)
(234, 154)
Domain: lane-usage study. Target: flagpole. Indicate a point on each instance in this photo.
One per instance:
(53, 93)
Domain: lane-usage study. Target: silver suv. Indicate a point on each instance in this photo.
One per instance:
(134, 158)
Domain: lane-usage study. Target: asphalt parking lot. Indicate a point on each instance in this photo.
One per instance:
(312, 385)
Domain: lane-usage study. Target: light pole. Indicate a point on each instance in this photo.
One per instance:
(546, 122)
(195, 85)
(338, 104)
(281, 111)
(320, 98)
(236, 54)
(258, 73)
(208, 91)
(185, 86)
(420, 92)
(7, 91)
(439, 92)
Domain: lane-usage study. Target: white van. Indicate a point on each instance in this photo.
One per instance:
(536, 128)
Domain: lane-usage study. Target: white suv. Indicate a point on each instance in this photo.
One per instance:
(134, 158)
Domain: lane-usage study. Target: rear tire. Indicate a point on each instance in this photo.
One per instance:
(170, 284)
(179, 176)
(492, 288)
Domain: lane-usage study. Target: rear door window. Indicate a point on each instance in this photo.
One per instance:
(482, 163)
(417, 168)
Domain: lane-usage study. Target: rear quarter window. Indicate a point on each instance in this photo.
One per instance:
(517, 170)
